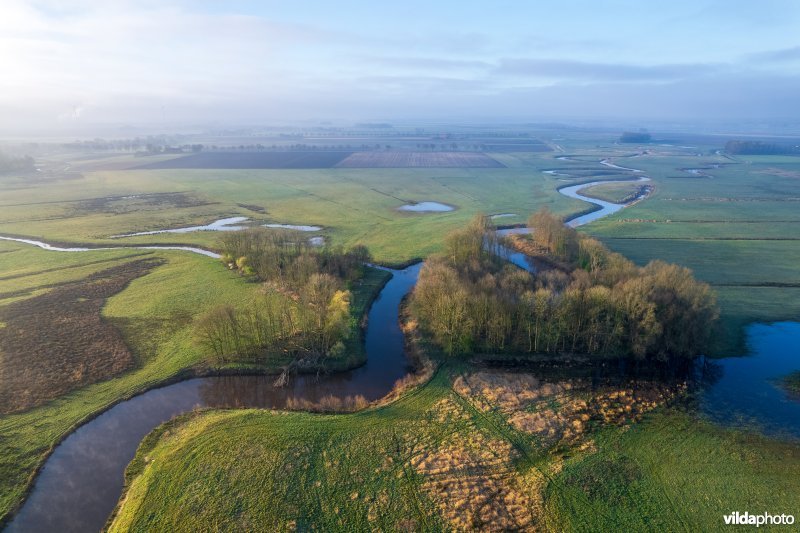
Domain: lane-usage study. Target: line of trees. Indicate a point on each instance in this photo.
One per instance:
(635, 137)
(302, 309)
(760, 148)
(10, 164)
(601, 305)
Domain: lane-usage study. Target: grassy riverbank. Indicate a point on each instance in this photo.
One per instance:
(617, 193)
(442, 458)
(154, 314)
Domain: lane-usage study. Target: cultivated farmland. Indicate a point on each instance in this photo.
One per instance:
(233, 160)
(419, 160)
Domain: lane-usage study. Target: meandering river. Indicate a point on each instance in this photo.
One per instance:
(81, 481)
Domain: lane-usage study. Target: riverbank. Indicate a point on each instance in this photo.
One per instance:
(431, 460)
(165, 350)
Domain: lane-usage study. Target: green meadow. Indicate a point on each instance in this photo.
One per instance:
(736, 226)
(355, 206)
(361, 472)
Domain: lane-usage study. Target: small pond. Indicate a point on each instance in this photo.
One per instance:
(426, 207)
(744, 391)
(296, 227)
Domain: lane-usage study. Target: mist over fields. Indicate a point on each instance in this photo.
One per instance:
(85, 66)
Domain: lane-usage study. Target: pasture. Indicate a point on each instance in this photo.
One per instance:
(250, 160)
(355, 206)
(734, 223)
(419, 160)
(736, 227)
(463, 452)
(617, 193)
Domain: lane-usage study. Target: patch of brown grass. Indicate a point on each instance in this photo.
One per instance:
(469, 475)
(58, 341)
(560, 413)
(328, 404)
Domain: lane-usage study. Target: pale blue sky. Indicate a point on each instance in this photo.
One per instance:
(73, 62)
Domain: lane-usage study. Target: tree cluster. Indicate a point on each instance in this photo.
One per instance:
(10, 164)
(760, 148)
(635, 137)
(303, 307)
(470, 300)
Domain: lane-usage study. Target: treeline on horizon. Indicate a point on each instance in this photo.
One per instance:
(302, 309)
(635, 137)
(760, 148)
(16, 164)
(470, 300)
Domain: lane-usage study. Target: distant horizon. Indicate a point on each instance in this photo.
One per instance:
(725, 128)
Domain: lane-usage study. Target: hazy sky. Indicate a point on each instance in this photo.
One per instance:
(78, 62)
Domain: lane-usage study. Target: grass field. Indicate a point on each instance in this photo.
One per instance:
(617, 193)
(154, 316)
(673, 473)
(250, 160)
(736, 225)
(354, 205)
(419, 160)
(737, 228)
(463, 456)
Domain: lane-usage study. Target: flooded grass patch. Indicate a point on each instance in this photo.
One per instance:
(132, 203)
(426, 207)
(296, 227)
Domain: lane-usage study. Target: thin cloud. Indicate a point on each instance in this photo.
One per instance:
(587, 71)
(784, 55)
(428, 63)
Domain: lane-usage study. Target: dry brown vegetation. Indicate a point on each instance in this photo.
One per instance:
(419, 160)
(58, 341)
(560, 413)
(328, 404)
(470, 475)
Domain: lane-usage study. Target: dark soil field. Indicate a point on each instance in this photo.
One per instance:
(419, 160)
(236, 160)
(519, 146)
(58, 341)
